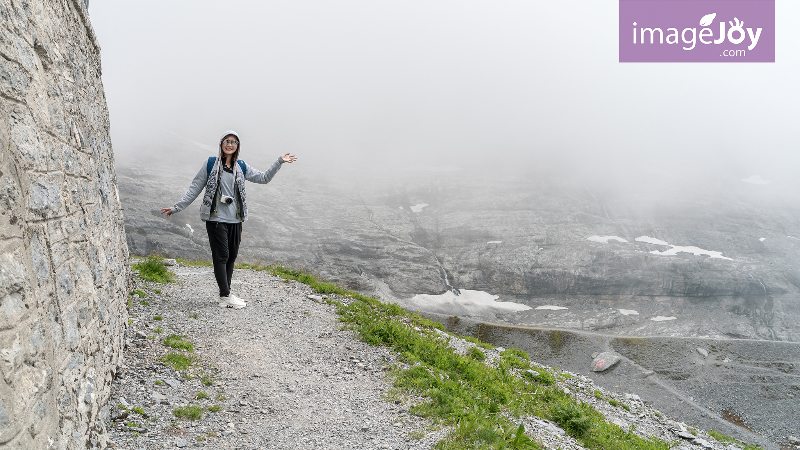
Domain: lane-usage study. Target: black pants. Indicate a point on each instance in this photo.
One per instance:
(224, 239)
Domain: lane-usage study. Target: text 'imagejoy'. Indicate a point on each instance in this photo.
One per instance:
(697, 31)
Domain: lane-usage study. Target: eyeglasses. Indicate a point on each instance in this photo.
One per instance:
(230, 142)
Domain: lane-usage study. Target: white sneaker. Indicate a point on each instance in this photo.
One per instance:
(231, 301)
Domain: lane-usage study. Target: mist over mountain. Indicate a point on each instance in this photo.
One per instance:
(716, 253)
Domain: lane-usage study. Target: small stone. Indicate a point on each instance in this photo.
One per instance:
(500, 349)
(620, 423)
(633, 397)
(703, 352)
(180, 443)
(793, 440)
(605, 361)
(685, 435)
(157, 396)
(170, 262)
(124, 402)
(316, 298)
(173, 383)
(242, 403)
(140, 335)
(703, 443)
(227, 432)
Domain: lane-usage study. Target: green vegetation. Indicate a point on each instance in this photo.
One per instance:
(178, 342)
(144, 303)
(721, 437)
(626, 407)
(191, 412)
(157, 291)
(598, 395)
(138, 410)
(483, 404)
(159, 382)
(177, 361)
(476, 354)
(201, 395)
(541, 376)
(131, 424)
(153, 269)
(187, 262)
(158, 318)
(193, 315)
(207, 380)
(159, 330)
(214, 408)
(613, 402)
(139, 292)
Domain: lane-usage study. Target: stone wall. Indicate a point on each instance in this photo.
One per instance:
(63, 257)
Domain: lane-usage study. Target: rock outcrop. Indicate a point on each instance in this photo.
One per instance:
(63, 255)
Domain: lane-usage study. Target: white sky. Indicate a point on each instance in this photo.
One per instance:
(444, 82)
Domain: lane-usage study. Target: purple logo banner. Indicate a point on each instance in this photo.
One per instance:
(696, 30)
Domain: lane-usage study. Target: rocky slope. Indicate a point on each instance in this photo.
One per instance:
(284, 375)
(529, 239)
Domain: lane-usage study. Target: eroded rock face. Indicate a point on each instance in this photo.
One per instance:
(533, 240)
(63, 256)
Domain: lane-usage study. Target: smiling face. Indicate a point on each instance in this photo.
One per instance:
(228, 146)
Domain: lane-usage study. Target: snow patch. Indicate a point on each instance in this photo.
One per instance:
(469, 303)
(762, 239)
(495, 242)
(551, 307)
(605, 239)
(662, 318)
(418, 207)
(697, 251)
(755, 179)
(629, 312)
(650, 240)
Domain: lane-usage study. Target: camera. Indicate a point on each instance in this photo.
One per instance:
(226, 200)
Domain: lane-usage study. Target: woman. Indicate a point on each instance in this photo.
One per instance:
(224, 207)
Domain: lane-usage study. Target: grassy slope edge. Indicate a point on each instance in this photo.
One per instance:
(483, 403)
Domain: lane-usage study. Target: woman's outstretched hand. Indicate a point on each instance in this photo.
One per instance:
(287, 158)
(166, 210)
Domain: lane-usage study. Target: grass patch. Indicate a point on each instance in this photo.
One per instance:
(158, 318)
(476, 354)
(178, 342)
(139, 292)
(191, 412)
(207, 380)
(177, 361)
(159, 382)
(153, 269)
(220, 397)
(187, 262)
(193, 315)
(159, 330)
(613, 402)
(214, 408)
(201, 395)
(138, 410)
(144, 303)
(721, 437)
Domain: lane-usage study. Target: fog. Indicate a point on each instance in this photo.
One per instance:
(373, 86)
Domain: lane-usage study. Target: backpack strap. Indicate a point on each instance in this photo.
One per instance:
(210, 165)
(242, 166)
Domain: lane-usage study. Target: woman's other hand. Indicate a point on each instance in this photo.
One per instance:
(287, 158)
(166, 210)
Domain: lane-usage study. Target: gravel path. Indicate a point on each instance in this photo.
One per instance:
(284, 373)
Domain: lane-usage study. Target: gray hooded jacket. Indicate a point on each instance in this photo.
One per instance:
(210, 182)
